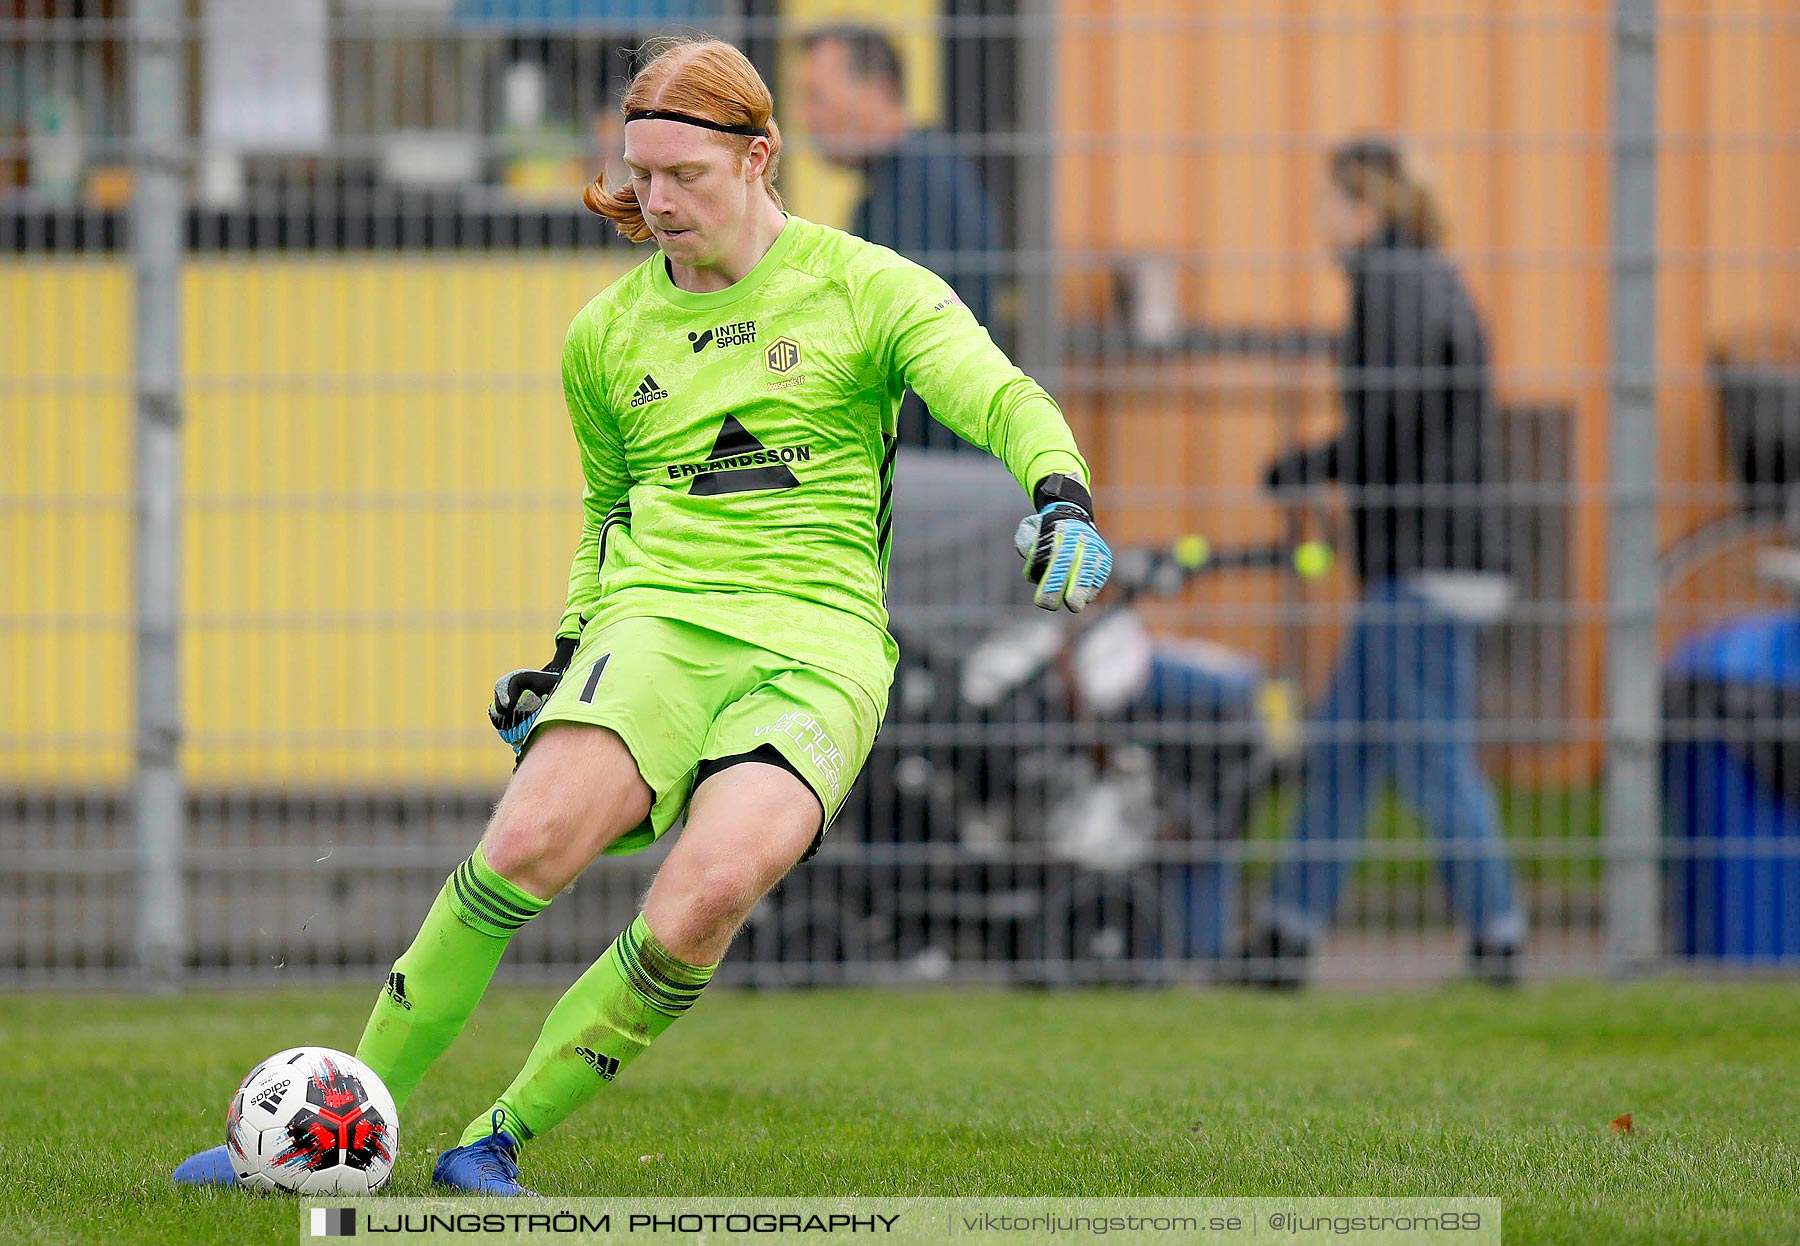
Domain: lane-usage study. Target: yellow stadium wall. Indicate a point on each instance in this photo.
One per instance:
(381, 496)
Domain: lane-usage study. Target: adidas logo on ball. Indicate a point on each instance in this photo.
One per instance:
(270, 1097)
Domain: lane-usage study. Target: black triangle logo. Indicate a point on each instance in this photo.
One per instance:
(735, 441)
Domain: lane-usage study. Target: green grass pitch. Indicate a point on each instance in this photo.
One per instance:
(1461, 1091)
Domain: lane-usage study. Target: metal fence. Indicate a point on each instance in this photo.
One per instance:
(285, 482)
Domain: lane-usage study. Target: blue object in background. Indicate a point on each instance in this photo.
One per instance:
(1736, 893)
(1204, 896)
(1202, 682)
(547, 15)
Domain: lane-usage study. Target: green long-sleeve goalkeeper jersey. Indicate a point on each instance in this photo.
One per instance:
(738, 445)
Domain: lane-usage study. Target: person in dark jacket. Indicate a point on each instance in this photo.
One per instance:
(1413, 460)
(922, 198)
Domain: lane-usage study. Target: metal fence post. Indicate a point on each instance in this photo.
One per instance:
(1633, 810)
(157, 124)
(1040, 322)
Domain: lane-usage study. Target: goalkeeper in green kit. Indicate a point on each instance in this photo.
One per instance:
(724, 651)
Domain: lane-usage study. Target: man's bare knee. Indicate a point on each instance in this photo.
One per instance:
(724, 894)
(520, 839)
(746, 828)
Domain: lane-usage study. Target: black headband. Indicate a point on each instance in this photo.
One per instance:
(664, 114)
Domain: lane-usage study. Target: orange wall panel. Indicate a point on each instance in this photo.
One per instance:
(1206, 123)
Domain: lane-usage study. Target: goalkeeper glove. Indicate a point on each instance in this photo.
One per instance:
(519, 696)
(1064, 554)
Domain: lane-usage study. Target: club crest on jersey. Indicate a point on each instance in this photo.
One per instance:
(783, 355)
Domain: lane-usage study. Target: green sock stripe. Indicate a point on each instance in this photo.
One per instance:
(491, 901)
(477, 909)
(471, 910)
(488, 898)
(667, 966)
(674, 976)
(664, 1000)
(506, 893)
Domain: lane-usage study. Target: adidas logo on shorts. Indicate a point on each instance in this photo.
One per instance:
(648, 391)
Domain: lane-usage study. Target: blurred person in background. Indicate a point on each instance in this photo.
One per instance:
(921, 198)
(1413, 459)
(607, 130)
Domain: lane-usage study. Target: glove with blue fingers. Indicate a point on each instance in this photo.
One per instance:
(1064, 554)
(519, 696)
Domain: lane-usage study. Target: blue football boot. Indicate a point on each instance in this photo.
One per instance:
(210, 1167)
(489, 1165)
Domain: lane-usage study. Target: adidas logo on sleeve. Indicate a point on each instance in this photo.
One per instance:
(648, 391)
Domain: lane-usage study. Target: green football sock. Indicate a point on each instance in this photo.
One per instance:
(436, 984)
(614, 1011)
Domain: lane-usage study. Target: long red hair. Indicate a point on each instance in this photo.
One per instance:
(704, 78)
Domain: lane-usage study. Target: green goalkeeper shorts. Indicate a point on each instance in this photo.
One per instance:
(681, 696)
